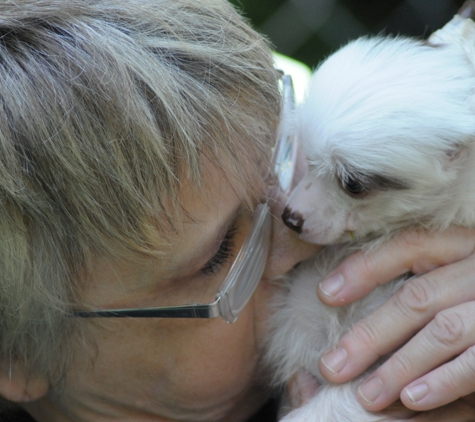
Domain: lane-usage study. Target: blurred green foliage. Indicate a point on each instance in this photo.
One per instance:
(309, 30)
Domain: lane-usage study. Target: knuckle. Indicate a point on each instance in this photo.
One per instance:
(467, 363)
(365, 334)
(455, 378)
(448, 381)
(362, 264)
(415, 297)
(401, 365)
(413, 238)
(448, 328)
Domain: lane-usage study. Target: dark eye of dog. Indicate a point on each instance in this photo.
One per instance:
(353, 187)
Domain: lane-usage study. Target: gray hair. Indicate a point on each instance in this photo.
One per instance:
(105, 106)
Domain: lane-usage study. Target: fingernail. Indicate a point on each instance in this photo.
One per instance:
(417, 392)
(335, 360)
(370, 390)
(332, 285)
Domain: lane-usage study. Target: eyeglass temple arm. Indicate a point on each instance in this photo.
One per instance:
(210, 310)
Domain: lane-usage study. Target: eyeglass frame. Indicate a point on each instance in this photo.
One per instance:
(250, 254)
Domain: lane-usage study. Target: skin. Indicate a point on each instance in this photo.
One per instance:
(207, 370)
(437, 364)
(171, 369)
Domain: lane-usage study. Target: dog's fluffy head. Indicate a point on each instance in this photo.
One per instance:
(386, 127)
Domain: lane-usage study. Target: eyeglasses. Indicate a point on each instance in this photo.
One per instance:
(248, 267)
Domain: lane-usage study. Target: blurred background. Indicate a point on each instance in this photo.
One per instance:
(309, 30)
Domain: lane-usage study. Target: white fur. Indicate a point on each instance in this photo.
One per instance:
(391, 109)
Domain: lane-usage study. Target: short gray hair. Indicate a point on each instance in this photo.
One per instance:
(105, 105)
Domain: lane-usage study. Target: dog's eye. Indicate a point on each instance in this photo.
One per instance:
(353, 187)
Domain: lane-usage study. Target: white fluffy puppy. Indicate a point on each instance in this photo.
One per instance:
(388, 129)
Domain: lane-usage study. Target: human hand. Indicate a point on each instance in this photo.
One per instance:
(303, 387)
(435, 312)
(459, 411)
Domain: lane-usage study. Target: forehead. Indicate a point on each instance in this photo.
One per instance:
(198, 200)
(207, 212)
(198, 192)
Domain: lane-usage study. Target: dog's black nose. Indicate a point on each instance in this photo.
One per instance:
(293, 220)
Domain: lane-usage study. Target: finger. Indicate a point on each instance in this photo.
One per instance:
(454, 412)
(449, 334)
(445, 384)
(415, 251)
(395, 322)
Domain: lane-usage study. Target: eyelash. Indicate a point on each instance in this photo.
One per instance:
(223, 254)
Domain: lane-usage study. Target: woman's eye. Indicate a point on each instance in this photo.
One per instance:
(353, 187)
(225, 251)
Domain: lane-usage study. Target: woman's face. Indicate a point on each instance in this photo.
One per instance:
(176, 369)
